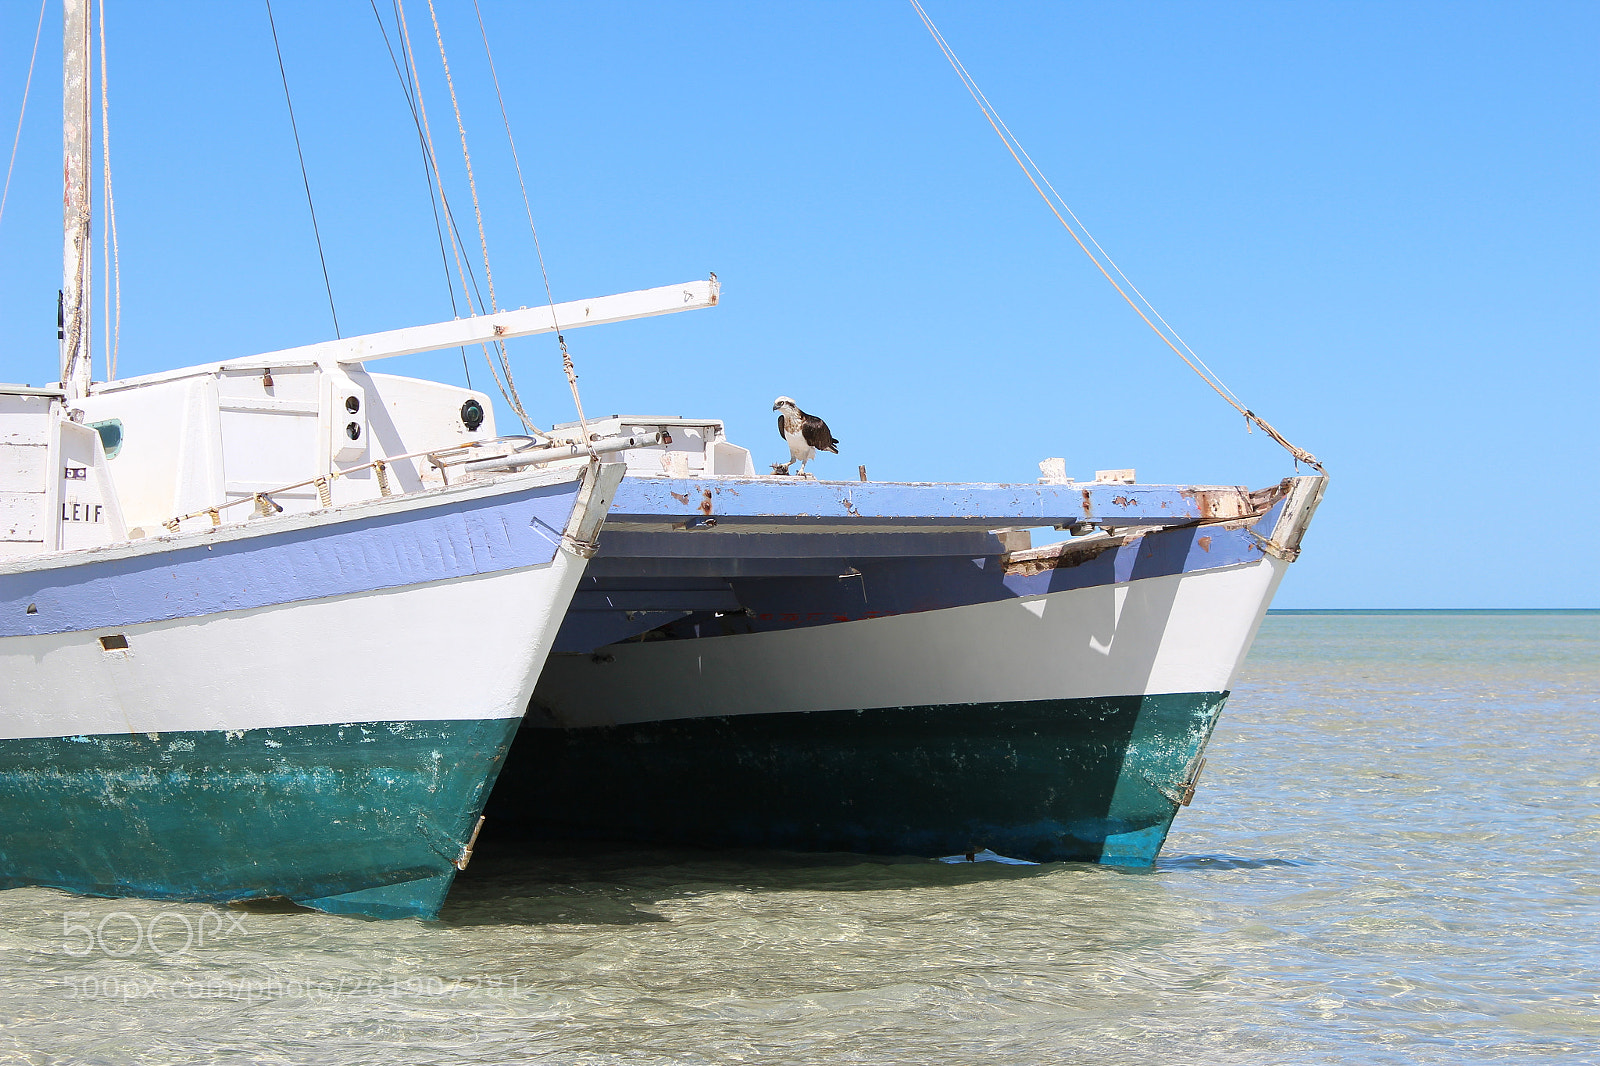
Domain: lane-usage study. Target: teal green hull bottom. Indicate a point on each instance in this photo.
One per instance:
(1090, 780)
(366, 818)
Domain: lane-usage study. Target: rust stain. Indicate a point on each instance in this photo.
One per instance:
(681, 497)
(1205, 543)
(1219, 503)
(705, 504)
(1123, 501)
(1088, 505)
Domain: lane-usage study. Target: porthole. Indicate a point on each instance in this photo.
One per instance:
(110, 435)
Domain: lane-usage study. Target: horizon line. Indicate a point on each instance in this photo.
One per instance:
(1433, 610)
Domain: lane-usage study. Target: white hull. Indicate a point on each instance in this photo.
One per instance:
(446, 650)
(394, 648)
(1179, 633)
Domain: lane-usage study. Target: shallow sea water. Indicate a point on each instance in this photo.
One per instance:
(1390, 859)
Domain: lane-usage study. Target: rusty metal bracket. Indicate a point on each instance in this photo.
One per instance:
(1274, 549)
(1192, 783)
(1173, 796)
(1181, 796)
(583, 549)
(465, 857)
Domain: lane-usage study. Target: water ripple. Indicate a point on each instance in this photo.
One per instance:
(1396, 831)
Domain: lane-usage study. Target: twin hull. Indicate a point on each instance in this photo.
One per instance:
(312, 707)
(317, 708)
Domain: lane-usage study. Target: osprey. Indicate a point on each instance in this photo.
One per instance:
(806, 434)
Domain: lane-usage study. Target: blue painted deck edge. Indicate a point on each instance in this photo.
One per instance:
(454, 539)
(863, 501)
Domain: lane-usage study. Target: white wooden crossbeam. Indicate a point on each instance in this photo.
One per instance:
(504, 325)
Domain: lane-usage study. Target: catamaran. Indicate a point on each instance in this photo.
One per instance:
(274, 627)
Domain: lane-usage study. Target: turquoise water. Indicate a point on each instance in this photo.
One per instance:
(1389, 860)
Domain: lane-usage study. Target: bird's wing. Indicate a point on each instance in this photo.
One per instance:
(781, 433)
(816, 433)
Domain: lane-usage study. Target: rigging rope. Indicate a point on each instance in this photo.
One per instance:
(111, 251)
(1035, 177)
(303, 176)
(464, 268)
(426, 133)
(466, 157)
(483, 240)
(566, 357)
(26, 86)
(427, 177)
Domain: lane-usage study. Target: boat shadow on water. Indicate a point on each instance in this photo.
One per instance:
(519, 880)
(516, 880)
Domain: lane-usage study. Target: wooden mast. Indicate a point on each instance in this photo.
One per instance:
(75, 355)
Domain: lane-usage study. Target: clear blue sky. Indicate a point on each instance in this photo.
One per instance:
(1376, 221)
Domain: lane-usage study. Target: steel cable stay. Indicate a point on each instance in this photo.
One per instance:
(463, 263)
(304, 177)
(1062, 203)
(477, 210)
(1059, 200)
(566, 356)
(425, 132)
(111, 249)
(27, 86)
(427, 177)
(412, 90)
(1057, 206)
